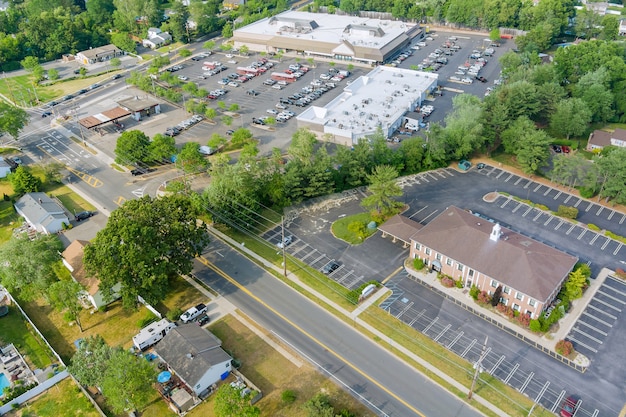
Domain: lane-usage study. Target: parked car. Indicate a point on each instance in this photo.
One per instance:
(46, 114)
(330, 267)
(481, 79)
(83, 215)
(570, 406)
(252, 93)
(203, 319)
(556, 148)
(285, 242)
(565, 149)
(17, 160)
(230, 132)
(271, 111)
(140, 171)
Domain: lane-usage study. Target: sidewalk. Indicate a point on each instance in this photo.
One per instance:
(353, 316)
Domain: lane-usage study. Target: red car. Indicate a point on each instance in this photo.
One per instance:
(212, 96)
(570, 406)
(565, 149)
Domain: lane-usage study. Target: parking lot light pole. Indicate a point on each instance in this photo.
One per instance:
(282, 237)
(477, 368)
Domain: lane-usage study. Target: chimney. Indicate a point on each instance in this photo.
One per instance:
(495, 233)
(40, 201)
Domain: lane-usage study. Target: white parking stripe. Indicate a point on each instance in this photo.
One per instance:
(622, 302)
(567, 199)
(613, 289)
(611, 215)
(594, 239)
(570, 229)
(597, 319)
(536, 188)
(445, 329)
(530, 376)
(606, 243)
(508, 378)
(600, 210)
(611, 306)
(587, 335)
(508, 178)
(547, 191)
(456, 339)
(548, 221)
(500, 174)
(558, 195)
(595, 329)
(527, 211)
(601, 311)
(468, 348)
(580, 236)
(421, 313)
(517, 208)
(618, 248)
(495, 366)
(505, 202)
(517, 182)
(589, 207)
(559, 225)
(622, 219)
(537, 216)
(578, 202)
(583, 344)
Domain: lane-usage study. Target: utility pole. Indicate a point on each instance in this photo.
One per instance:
(477, 368)
(282, 237)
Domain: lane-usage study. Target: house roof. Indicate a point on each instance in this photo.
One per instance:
(514, 260)
(400, 227)
(603, 138)
(106, 50)
(73, 255)
(190, 351)
(39, 208)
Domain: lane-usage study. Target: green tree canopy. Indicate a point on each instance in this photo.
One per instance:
(145, 242)
(12, 119)
(23, 181)
(64, 296)
(572, 117)
(383, 188)
(230, 403)
(190, 159)
(162, 147)
(132, 147)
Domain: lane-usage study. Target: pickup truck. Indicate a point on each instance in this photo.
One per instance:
(193, 313)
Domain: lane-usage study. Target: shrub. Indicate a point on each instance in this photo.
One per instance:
(418, 264)
(587, 192)
(542, 207)
(524, 320)
(447, 282)
(564, 347)
(593, 227)
(377, 216)
(459, 283)
(474, 291)
(288, 396)
(173, 315)
(620, 273)
(358, 228)
(567, 211)
(483, 298)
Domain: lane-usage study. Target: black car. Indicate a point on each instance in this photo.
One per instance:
(330, 267)
(117, 76)
(83, 215)
(556, 148)
(481, 79)
(203, 319)
(83, 91)
(258, 122)
(230, 132)
(46, 114)
(252, 93)
(140, 171)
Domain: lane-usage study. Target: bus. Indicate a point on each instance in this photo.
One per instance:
(282, 76)
(248, 71)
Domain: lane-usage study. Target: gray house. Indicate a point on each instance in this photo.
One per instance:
(42, 213)
(195, 355)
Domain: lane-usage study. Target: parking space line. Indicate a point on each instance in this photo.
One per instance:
(299, 249)
(608, 305)
(595, 329)
(587, 335)
(418, 211)
(429, 215)
(600, 210)
(517, 182)
(523, 387)
(432, 176)
(594, 239)
(508, 178)
(456, 339)
(558, 195)
(583, 344)
(589, 207)
(570, 229)
(578, 202)
(467, 349)
(419, 316)
(605, 243)
(614, 289)
(510, 375)
(536, 188)
(557, 402)
(404, 310)
(618, 248)
(500, 174)
(547, 191)
(537, 216)
(591, 306)
(549, 220)
(427, 328)
(611, 215)
(527, 211)
(528, 184)
(559, 225)
(438, 172)
(582, 234)
(309, 254)
(445, 329)
(315, 261)
(517, 208)
(505, 202)
(495, 366)
(567, 199)
(622, 302)
(623, 218)
(423, 177)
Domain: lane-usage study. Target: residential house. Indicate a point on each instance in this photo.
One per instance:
(99, 54)
(5, 168)
(195, 355)
(622, 27)
(598, 139)
(42, 213)
(73, 261)
(157, 38)
(481, 253)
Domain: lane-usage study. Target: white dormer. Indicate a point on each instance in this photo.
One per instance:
(495, 233)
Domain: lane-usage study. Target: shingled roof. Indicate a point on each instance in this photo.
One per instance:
(515, 260)
(400, 227)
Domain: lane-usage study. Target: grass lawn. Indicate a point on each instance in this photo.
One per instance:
(16, 330)
(341, 228)
(273, 374)
(64, 396)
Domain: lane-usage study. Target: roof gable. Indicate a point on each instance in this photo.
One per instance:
(36, 207)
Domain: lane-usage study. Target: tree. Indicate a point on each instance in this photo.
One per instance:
(123, 41)
(185, 53)
(144, 243)
(230, 403)
(319, 405)
(533, 151)
(90, 362)
(190, 159)
(27, 266)
(30, 63)
(132, 147)
(383, 188)
(53, 74)
(210, 113)
(518, 129)
(64, 296)
(610, 27)
(209, 45)
(233, 107)
(115, 62)
(12, 119)
(611, 168)
(575, 284)
(494, 35)
(227, 31)
(162, 147)
(572, 116)
(216, 141)
(463, 132)
(243, 49)
(23, 181)
(301, 146)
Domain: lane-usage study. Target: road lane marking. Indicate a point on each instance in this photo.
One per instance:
(120, 200)
(327, 348)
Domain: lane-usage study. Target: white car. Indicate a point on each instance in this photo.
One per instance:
(455, 78)
(281, 106)
(229, 55)
(233, 84)
(422, 44)
(193, 313)
(183, 78)
(282, 82)
(277, 87)
(467, 80)
(271, 111)
(285, 242)
(325, 76)
(460, 72)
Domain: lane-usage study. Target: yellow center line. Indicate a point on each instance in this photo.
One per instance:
(307, 334)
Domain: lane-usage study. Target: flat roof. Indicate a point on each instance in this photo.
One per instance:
(379, 98)
(104, 117)
(359, 32)
(100, 50)
(138, 103)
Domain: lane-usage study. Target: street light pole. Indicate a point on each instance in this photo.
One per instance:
(282, 237)
(477, 367)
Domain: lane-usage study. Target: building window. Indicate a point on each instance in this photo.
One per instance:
(494, 283)
(504, 301)
(532, 303)
(427, 251)
(529, 313)
(425, 261)
(471, 273)
(515, 307)
(417, 246)
(459, 267)
(506, 290)
(449, 262)
(490, 293)
(519, 296)
(438, 256)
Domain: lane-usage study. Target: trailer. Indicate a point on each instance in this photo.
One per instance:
(151, 334)
(248, 71)
(283, 76)
(207, 66)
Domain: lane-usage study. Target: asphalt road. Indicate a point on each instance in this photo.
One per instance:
(382, 382)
